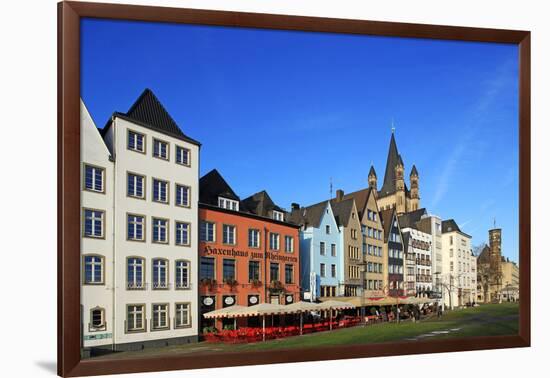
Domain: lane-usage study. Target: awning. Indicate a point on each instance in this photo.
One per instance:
(226, 312)
(335, 305)
(301, 307)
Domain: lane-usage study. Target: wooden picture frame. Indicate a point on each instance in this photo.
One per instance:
(69, 167)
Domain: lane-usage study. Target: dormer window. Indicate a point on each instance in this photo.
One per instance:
(228, 204)
(277, 215)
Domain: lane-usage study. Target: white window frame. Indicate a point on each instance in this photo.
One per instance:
(180, 267)
(100, 327)
(229, 204)
(179, 231)
(93, 218)
(180, 309)
(135, 309)
(158, 265)
(180, 189)
(274, 241)
(204, 224)
(278, 215)
(179, 159)
(156, 182)
(94, 264)
(94, 168)
(135, 179)
(227, 235)
(135, 223)
(156, 228)
(135, 285)
(143, 142)
(157, 310)
(160, 155)
(253, 238)
(289, 244)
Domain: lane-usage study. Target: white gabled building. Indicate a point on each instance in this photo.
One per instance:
(151, 218)
(459, 274)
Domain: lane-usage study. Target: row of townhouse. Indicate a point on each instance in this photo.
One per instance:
(379, 242)
(161, 247)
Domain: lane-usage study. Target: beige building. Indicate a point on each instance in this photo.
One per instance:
(394, 192)
(372, 239)
(510, 281)
(351, 258)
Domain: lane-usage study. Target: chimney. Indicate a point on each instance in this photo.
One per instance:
(295, 206)
(339, 195)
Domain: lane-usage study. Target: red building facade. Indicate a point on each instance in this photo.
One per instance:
(245, 258)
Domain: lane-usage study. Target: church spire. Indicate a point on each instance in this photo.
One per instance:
(392, 161)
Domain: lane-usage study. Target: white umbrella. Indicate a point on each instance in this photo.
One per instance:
(301, 307)
(334, 305)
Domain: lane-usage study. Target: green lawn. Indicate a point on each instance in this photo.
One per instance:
(485, 320)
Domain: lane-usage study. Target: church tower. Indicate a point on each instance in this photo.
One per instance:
(415, 196)
(401, 205)
(495, 261)
(373, 180)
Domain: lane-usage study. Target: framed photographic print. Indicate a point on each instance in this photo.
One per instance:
(239, 188)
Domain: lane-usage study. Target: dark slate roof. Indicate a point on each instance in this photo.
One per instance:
(414, 172)
(309, 216)
(387, 216)
(372, 172)
(361, 198)
(342, 210)
(148, 112)
(449, 225)
(389, 176)
(411, 218)
(260, 204)
(212, 185)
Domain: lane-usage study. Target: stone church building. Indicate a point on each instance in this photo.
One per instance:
(394, 192)
(489, 269)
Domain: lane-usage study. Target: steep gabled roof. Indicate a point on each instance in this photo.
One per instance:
(361, 198)
(414, 172)
(372, 172)
(449, 225)
(410, 219)
(342, 210)
(260, 204)
(212, 185)
(148, 112)
(309, 216)
(389, 176)
(387, 216)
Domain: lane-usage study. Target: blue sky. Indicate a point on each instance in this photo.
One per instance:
(287, 111)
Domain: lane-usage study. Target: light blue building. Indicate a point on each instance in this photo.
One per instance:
(320, 250)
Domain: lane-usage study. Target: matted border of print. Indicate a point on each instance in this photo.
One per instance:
(69, 322)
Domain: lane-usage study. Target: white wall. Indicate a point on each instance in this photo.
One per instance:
(145, 164)
(94, 152)
(33, 349)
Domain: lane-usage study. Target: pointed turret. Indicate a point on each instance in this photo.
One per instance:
(373, 180)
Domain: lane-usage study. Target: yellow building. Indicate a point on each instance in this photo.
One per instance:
(510, 281)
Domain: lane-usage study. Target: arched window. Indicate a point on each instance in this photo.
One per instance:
(182, 274)
(97, 319)
(160, 274)
(135, 273)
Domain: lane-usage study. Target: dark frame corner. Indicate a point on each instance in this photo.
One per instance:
(69, 14)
